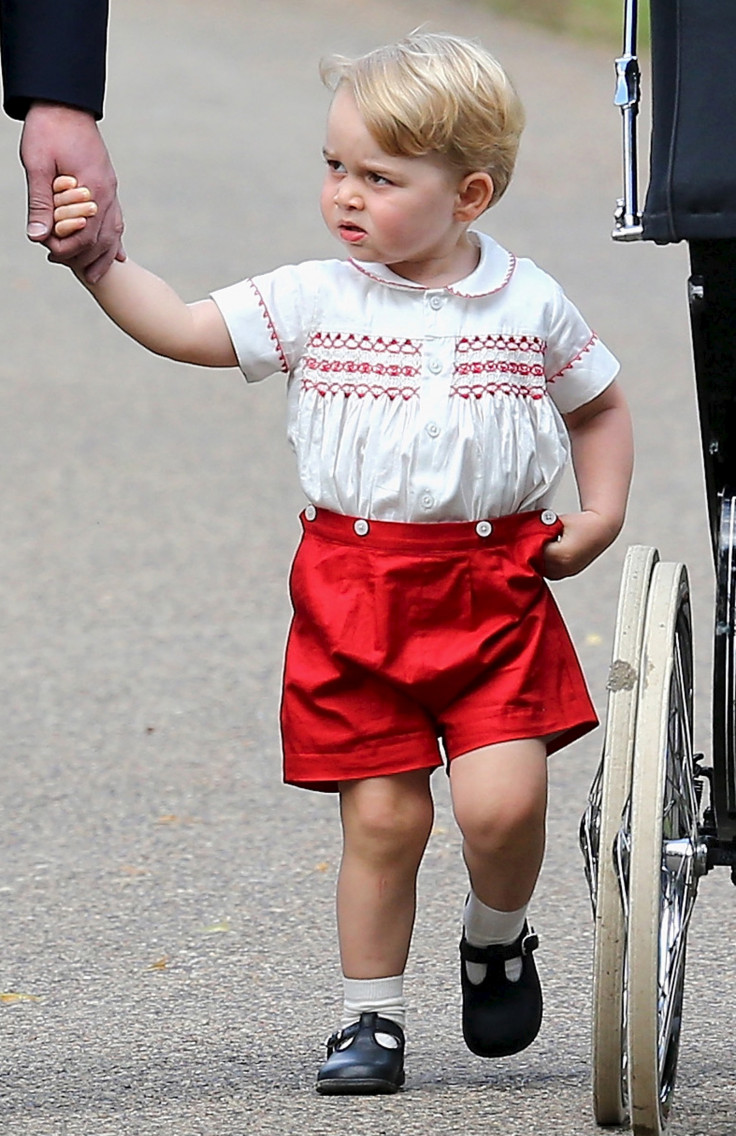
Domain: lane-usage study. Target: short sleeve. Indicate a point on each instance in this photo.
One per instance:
(578, 366)
(268, 318)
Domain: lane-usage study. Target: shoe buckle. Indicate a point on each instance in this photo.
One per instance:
(530, 942)
(333, 1041)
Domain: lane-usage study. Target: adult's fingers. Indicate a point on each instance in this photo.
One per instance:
(40, 217)
(62, 140)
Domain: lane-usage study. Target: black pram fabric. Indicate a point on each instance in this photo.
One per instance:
(692, 186)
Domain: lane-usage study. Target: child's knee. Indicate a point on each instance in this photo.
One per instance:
(499, 795)
(498, 826)
(389, 816)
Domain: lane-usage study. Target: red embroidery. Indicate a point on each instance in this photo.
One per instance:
(269, 321)
(530, 343)
(349, 342)
(504, 366)
(359, 389)
(519, 356)
(591, 342)
(331, 354)
(477, 390)
(357, 367)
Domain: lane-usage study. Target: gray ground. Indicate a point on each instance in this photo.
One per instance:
(166, 902)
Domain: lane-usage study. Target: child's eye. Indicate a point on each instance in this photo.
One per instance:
(335, 166)
(379, 179)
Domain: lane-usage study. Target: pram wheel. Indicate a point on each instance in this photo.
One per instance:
(664, 851)
(724, 672)
(599, 831)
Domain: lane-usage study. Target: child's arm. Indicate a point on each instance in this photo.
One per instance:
(142, 304)
(602, 456)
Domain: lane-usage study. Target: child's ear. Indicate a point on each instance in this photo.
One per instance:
(474, 195)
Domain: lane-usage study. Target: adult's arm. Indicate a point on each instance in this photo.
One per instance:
(54, 51)
(53, 60)
(59, 139)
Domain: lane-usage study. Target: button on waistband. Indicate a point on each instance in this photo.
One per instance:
(310, 513)
(362, 528)
(484, 528)
(548, 517)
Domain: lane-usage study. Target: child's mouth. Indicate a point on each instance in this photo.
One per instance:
(351, 233)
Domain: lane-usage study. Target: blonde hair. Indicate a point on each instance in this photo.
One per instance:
(436, 93)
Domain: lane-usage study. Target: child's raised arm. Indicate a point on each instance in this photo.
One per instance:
(142, 304)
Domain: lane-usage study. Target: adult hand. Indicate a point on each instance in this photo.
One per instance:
(59, 139)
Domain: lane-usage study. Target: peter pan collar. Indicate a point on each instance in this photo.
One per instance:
(492, 273)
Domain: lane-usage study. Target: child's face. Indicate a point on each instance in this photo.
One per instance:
(396, 211)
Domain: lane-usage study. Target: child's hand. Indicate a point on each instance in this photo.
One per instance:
(585, 536)
(73, 204)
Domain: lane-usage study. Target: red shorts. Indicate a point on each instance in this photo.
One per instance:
(406, 633)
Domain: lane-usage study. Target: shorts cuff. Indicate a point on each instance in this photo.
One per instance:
(324, 771)
(470, 737)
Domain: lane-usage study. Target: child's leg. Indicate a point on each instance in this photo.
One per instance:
(500, 796)
(386, 824)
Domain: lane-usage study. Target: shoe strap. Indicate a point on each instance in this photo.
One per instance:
(368, 1021)
(527, 942)
(335, 1039)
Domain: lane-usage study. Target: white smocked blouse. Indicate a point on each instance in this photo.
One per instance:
(408, 403)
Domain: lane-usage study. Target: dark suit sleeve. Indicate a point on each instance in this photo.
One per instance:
(53, 50)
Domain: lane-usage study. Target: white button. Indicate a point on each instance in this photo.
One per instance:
(310, 513)
(548, 517)
(427, 501)
(435, 366)
(362, 527)
(484, 528)
(436, 302)
(433, 429)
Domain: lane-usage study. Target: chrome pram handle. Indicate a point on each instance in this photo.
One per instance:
(627, 219)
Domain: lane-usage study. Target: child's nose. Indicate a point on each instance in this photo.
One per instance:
(348, 195)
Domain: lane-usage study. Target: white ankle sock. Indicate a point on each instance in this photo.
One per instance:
(384, 996)
(485, 926)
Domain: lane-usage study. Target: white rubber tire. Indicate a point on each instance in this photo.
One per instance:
(662, 758)
(609, 1041)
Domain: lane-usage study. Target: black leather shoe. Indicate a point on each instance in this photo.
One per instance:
(358, 1063)
(501, 1017)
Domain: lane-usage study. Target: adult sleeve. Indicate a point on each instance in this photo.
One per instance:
(53, 50)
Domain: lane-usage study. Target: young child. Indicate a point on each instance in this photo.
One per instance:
(436, 387)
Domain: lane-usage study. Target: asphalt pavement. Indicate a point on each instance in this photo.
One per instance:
(167, 952)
